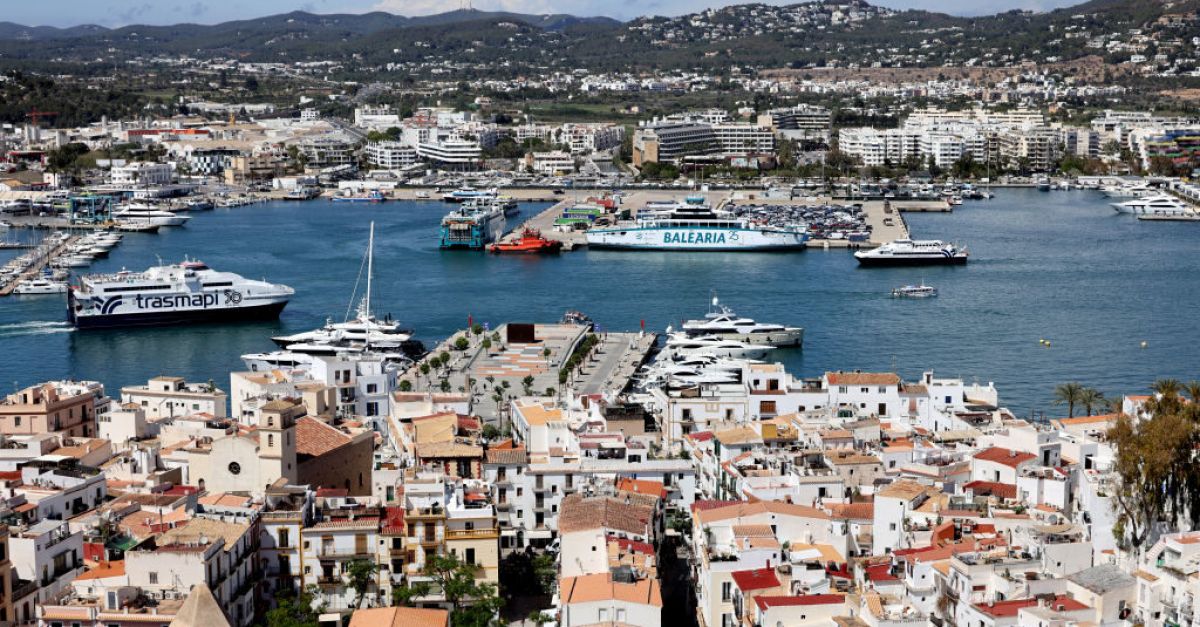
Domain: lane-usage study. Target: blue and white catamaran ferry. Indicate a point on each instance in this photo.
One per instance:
(694, 226)
(173, 294)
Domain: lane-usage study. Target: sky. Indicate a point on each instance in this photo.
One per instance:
(123, 12)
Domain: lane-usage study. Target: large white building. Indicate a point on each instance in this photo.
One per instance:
(141, 174)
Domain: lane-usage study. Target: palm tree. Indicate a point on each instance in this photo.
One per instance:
(1091, 397)
(1167, 387)
(1068, 394)
(1193, 390)
(1166, 397)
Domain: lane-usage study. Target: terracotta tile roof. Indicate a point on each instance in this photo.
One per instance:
(400, 617)
(580, 513)
(1005, 456)
(601, 587)
(767, 602)
(507, 456)
(448, 449)
(103, 570)
(862, 378)
(853, 511)
(985, 488)
(642, 486)
(1087, 420)
(701, 505)
(632, 545)
(746, 509)
(737, 435)
(1009, 608)
(758, 579)
(701, 436)
(880, 572)
(315, 438)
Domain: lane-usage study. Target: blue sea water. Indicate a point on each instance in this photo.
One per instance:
(1060, 266)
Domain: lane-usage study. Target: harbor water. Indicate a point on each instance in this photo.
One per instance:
(1059, 266)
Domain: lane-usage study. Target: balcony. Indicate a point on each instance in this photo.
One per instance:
(425, 513)
(503, 506)
(334, 552)
(541, 489)
(471, 534)
(329, 582)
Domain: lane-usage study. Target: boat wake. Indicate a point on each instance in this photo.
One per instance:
(35, 327)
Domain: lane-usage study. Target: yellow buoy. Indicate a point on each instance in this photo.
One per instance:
(1042, 341)
(1047, 343)
(1143, 343)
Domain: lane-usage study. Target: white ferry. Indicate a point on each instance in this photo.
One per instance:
(692, 226)
(907, 252)
(173, 294)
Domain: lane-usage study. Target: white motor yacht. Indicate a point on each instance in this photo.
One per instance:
(721, 321)
(39, 286)
(149, 214)
(680, 344)
(1158, 204)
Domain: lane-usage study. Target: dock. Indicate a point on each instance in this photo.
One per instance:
(35, 268)
(1168, 217)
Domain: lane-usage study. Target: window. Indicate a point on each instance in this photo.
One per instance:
(620, 615)
(235, 468)
(726, 590)
(603, 614)
(17, 421)
(270, 442)
(284, 539)
(372, 409)
(372, 388)
(843, 389)
(766, 407)
(882, 389)
(470, 556)
(153, 578)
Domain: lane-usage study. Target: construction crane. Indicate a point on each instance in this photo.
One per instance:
(36, 115)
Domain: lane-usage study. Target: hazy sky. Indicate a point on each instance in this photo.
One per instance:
(122, 12)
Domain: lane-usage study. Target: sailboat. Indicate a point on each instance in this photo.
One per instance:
(364, 332)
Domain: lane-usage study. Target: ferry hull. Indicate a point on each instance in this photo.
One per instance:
(899, 262)
(697, 240)
(268, 311)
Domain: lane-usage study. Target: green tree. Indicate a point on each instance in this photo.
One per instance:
(527, 384)
(1068, 394)
(472, 603)
(1153, 470)
(546, 572)
(405, 385)
(490, 431)
(407, 595)
(362, 578)
(293, 611)
(462, 343)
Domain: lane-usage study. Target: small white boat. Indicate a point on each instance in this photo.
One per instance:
(39, 286)
(914, 291)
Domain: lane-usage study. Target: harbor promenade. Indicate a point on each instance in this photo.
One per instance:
(499, 365)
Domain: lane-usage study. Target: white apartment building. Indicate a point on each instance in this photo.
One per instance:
(392, 155)
(167, 397)
(451, 153)
(141, 174)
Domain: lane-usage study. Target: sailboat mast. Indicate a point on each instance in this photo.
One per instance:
(370, 271)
